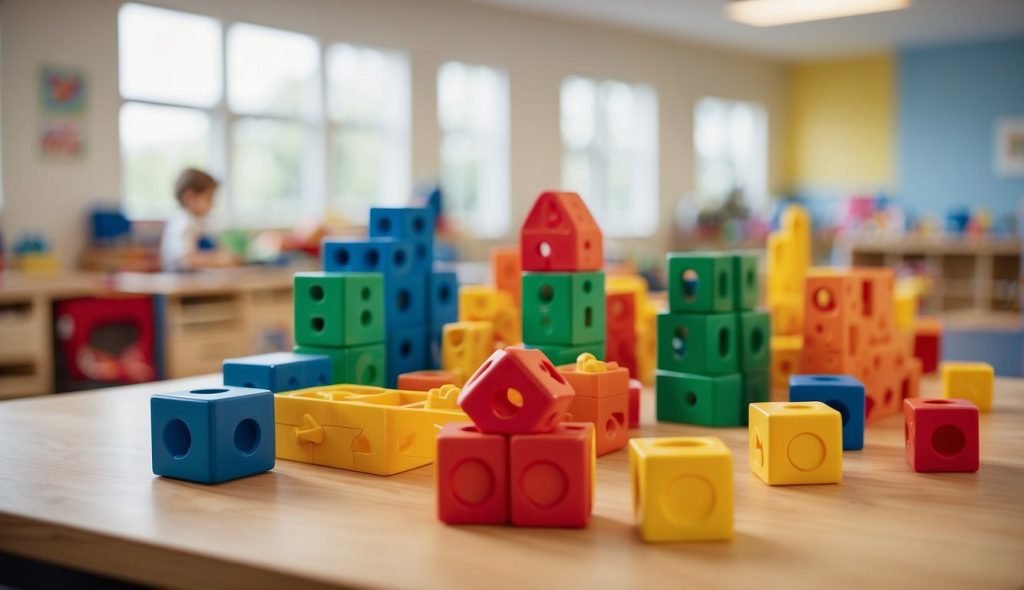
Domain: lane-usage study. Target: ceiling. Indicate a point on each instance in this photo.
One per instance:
(926, 22)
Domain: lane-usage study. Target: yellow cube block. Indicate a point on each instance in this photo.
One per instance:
(905, 309)
(682, 488)
(787, 313)
(465, 346)
(796, 443)
(482, 303)
(785, 361)
(973, 382)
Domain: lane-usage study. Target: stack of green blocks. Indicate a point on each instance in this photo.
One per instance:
(564, 314)
(713, 345)
(341, 315)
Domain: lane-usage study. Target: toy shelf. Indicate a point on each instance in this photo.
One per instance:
(981, 274)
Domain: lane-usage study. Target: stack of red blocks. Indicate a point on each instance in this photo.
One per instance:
(620, 329)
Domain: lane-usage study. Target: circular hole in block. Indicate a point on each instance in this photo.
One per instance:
(691, 283)
(841, 408)
(756, 340)
(948, 440)
(317, 323)
(611, 428)
(586, 244)
(825, 378)
(938, 401)
(798, 407)
(544, 249)
(341, 256)
(544, 484)
(293, 382)
(209, 391)
(419, 224)
(723, 284)
(547, 326)
(249, 384)
(372, 258)
(364, 293)
(366, 317)
(507, 403)
(399, 257)
(369, 374)
(824, 299)
(889, 396)
(679, 339)
(316, 293)
(552, 372)
(403, 300)
(687, 500)
(472, 482)
(247, 436)
(384, 225)
(587, 286)
(751, 279)
(177, 438)
(723, 342)
(321, 380)
(690, 398)
(444, 293)
(405, 348)
(681, 443)
(546, 293)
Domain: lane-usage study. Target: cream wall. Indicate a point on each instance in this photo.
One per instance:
(536, 51)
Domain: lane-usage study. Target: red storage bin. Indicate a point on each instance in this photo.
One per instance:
(106, 339)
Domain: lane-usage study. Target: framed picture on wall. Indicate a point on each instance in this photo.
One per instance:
(62, 110)
(1009, 156)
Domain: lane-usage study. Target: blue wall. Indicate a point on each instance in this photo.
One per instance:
(949, 100)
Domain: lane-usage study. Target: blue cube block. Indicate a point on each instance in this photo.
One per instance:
(434, 346)
(212, 435)
(390, 257)
(405, 300)
(442, 298)
(843, 393)
(278, 371)
(408, 350)
(414, 225)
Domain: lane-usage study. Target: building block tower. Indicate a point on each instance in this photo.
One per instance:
(713, 345)
(787, 263)
(563, 286)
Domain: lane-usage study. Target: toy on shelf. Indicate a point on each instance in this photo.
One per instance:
(33, 254)
(713, 347)
(974, 382)
(842, 393)
(517, 462)
(212, 435)
(278, 371)
(796, 443)
(941, 435)
(116, 245)
(602, 398)
(682, 488)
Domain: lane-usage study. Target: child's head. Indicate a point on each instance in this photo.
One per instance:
(194, 190)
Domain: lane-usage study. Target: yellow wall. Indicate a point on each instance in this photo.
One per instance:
(842, 124)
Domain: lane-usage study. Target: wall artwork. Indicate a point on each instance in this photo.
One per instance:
(62, 109)
(1009, 156)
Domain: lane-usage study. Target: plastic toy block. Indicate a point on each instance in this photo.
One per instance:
(832, 314)
(465, 346)
(390, 257)
(704, 344)
(973, 382)
(788, 254)
(338, 309)
(796, 443)
(842, 393)
(877, 303)
(517, 391)
(442, 297)
(620, 313)
(508, 328)
(471, 476)
(941, 435)
(563, 308)
(622, 350)
(755, 329)
(481, 303)
(212, 435)
(913, 379)
(882, 371)
(278, 371)
(647, 343)
(405, 300)
(610, 417)
(407, 351)
(566, 355)
(700, 283)
(757, 388)
(746, 290)
(591, 377)
(786, 355)
(362, 365)
(696, 399)
(560, 234)
(507, 272)
(928, 343)
(414, 225)
(636, 390)
(360, 428)
(787, 313)
(552, 477)
(426, 380)
(905, 309)
(682, 488)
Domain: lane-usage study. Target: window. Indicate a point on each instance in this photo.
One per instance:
(473, 114)
(730, 140)
(368, 108)
(610, 140)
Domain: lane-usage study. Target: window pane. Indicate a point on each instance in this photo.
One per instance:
(169, 56)
(272, 72)
(156, 143)
(358, 169)
(367, 85)
(730, 145)
(267, 171)
(579, 108)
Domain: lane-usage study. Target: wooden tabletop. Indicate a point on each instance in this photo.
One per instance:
(76, 489)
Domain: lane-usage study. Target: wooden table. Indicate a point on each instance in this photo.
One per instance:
(76, 490)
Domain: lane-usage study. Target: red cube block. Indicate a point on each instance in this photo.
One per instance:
(560, 234)
(552, 477)
(471, 475)
(636, 389)
(928, 344)
(620, 312)
(941, 434)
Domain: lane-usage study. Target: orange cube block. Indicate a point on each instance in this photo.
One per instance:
(507, 272)
(877, 303)
(602, 398)
(832, 313)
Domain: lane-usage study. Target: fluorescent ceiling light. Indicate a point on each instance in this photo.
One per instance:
(770, 13)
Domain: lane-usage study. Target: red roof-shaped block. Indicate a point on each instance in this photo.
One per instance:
(560, 234)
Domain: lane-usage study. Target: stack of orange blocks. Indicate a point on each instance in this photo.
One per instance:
(602, 398)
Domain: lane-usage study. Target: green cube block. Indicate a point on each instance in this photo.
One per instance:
(566, 355)
(703, 344)
(697, 399)
(339, 309)
(746, 292)
(563, 308)
(757, 388)
(357, 365)
(700, 282)
(755, 352)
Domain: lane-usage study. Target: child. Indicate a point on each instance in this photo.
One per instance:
(185, 246)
